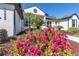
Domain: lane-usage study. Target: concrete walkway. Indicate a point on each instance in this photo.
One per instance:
(75, 39)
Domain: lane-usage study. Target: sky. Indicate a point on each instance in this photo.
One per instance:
(55, 9)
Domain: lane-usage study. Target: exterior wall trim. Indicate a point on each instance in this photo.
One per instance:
(14, 23)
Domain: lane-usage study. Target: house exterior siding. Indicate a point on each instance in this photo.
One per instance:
(8, 23)
(38, 12)
(67, 23)
(77, 21)
(17, 23)
(64, 24)
(13, 23)
(31, 10)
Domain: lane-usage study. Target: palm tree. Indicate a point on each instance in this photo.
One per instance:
(59, 27)
(34, 20)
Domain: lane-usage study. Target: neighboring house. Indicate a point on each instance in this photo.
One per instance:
(68, 21)
(37, 11)
(11, 18)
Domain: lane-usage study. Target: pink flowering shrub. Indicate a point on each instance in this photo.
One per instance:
(46, 43)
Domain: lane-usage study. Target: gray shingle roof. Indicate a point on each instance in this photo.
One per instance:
(69, 16)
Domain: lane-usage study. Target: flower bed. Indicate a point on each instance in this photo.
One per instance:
(47, 42)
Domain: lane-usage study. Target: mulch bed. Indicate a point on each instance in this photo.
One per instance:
(76, 48)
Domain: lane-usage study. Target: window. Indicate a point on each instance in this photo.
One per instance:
(35, 10)
(73, 23)
(4, 13)
(48, 23)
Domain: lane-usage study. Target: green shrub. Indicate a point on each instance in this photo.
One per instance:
(59, 27)
(1, 51)
(13, 49)
(72, 30)
(35, 20)
(3, 35)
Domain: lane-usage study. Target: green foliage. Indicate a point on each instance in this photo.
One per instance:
(45, 24)
(1, 49)
(59, 27)
(72, 30)
(55, 19)
(35, 20)
(21, 37)
(3, 35)
(13, 49)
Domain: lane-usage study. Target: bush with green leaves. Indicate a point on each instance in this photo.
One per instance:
(1, 51)
(3, 35)
(59, 27)
(72, 30)
(35, 20)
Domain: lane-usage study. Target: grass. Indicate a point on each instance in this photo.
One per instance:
(73, 31)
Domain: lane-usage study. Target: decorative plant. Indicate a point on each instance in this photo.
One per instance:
(59, 27)
(34, 20)
(3, 35)
(72, 30)
(1, 51)
(46, 43)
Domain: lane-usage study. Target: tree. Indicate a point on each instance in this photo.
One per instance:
(59, 27)
(35, 20)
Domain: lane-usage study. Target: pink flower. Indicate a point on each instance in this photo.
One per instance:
(37, 49)
(21, 53)
(31, 37)
(34, 48)
(31, 54)
(18, 45)
(54, 47)
(31, 50)
(39, 37)
(25, 46)
(46, 41)
(41, 54)
(61, 54)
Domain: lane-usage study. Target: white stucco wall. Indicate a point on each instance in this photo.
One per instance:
(76, 18)
(70, 23)
(17, 23)
(64, 24)
(8, 23)
(31, 10)
(53, 24)
(39, 11)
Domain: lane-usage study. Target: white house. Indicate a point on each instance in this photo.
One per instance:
(11, 18)
(37, 11)
(68, 21)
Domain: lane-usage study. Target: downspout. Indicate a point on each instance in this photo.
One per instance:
(14, 23)
(76, 23)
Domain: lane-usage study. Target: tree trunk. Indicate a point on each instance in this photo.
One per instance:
(38, 27)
